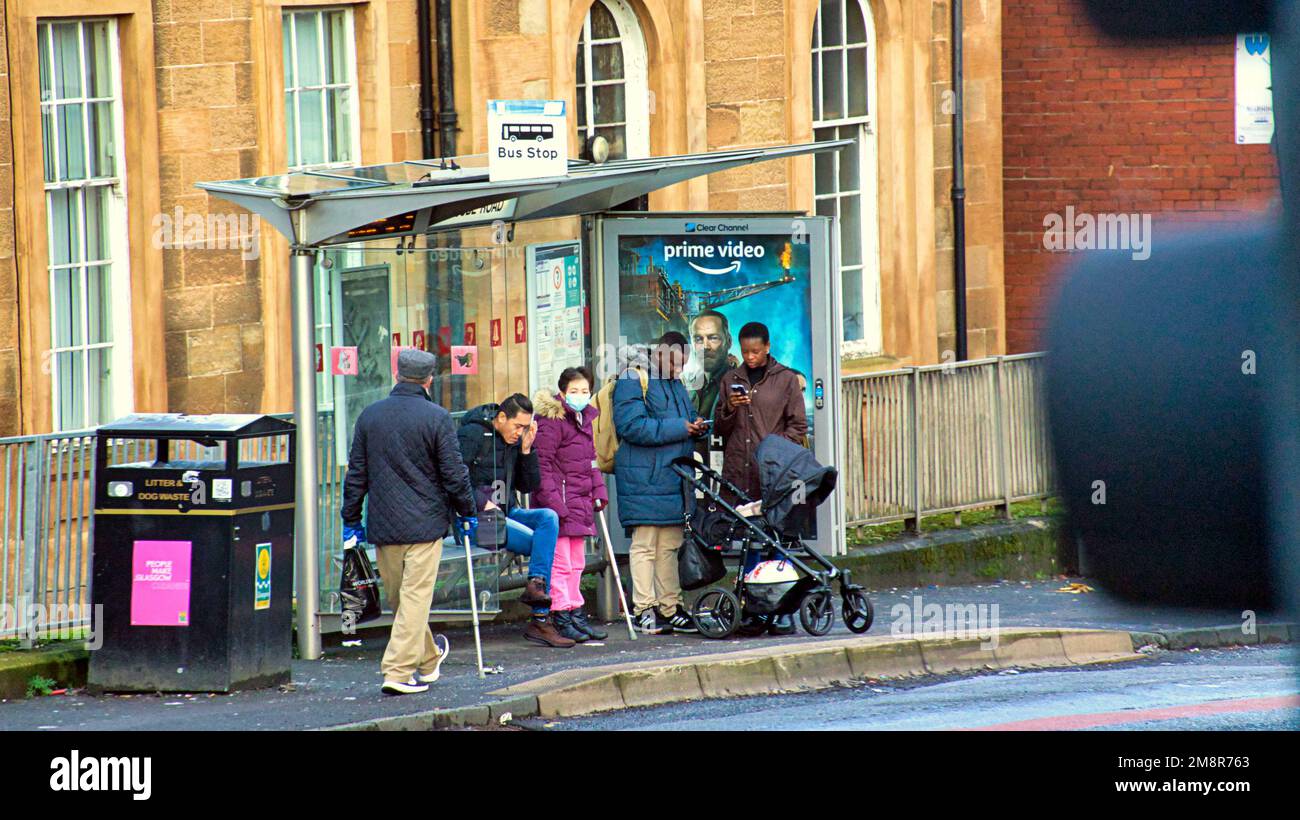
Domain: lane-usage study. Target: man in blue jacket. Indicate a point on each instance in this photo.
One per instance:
(654, 427)
(406, 461)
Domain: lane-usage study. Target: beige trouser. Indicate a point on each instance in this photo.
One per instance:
(408, 572)
(653, 556)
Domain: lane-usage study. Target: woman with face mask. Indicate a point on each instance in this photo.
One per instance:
(573, 487)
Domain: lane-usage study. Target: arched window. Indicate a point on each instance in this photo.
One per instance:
(843, 80)
(612, 89)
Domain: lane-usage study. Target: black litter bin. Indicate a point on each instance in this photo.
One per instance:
(193, 553)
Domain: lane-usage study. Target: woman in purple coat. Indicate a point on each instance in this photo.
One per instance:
(573, 488)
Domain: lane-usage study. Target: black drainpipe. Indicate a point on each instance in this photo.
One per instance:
(445, 296)
(424, 36)
(958, 185)
(446, 86)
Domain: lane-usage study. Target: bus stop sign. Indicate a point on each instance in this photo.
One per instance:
(527, 139)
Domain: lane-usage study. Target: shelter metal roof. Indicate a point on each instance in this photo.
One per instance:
(346, 205)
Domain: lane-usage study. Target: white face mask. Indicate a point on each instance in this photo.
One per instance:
(577, 401)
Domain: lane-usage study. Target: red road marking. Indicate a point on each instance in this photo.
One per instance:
(1088, 721)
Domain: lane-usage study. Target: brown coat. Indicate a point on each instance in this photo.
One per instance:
(776, 409)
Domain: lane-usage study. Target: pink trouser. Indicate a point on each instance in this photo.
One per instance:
(566, 572)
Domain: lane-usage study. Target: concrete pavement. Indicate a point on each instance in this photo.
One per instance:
(343, 688)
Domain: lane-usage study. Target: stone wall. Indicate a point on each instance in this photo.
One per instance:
(982, 109)
(208, 131)
(745, 77)
(9, 382)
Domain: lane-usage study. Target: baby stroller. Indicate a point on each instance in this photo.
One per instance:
(793, 484)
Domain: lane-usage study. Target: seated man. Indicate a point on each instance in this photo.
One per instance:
(496, 443)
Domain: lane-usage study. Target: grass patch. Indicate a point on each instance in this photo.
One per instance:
(39, 685)
(71, 637)
(868, 535)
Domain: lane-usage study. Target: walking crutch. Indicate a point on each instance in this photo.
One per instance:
(618, 580)
(473, 599)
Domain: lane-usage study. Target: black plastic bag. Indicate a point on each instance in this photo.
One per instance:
(698, 565)
(359, 587)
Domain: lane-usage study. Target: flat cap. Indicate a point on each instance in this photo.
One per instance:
(415, 365)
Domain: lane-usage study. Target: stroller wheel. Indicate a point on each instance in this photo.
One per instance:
(817, 612)
(716, 613)
(857, 610)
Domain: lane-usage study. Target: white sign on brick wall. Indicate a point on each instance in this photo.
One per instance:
(1254, 79)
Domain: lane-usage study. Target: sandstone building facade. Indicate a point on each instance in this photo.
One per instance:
(111, 110)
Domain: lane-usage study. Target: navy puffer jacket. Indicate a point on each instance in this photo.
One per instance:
(651, 432)
(405, 461)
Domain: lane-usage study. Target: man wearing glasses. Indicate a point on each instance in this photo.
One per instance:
(496, 443)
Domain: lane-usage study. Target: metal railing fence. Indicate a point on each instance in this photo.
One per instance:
(944, 438)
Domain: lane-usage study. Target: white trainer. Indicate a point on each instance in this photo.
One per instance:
(444, 646)
(411, 687)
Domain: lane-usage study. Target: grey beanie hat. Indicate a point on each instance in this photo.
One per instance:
(415, 365)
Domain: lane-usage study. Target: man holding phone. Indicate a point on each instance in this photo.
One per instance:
(762, 398)
(655, 424)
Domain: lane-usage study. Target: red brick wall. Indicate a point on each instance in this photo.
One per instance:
(1107, 127)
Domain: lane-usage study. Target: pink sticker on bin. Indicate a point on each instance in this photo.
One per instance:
(160, 583)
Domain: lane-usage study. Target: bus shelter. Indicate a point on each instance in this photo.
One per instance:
(432, 254)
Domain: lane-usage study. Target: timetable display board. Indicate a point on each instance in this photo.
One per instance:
(557, 307)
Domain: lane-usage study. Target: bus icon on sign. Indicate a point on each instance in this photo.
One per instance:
(517, 131)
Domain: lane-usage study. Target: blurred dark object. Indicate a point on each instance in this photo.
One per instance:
(1158, 432)
(1179, 18)
(1174, 383)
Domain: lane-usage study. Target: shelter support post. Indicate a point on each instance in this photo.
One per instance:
(607, 596)
(307, 475)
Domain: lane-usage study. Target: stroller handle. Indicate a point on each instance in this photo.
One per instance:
(687, 467)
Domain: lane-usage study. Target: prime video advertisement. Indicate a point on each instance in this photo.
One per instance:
(707, 283)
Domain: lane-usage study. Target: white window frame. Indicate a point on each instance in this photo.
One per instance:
(872, 341)
(292, 113)
(121, 398)
(635, 82)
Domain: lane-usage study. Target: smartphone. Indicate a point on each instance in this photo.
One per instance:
(739, 389)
